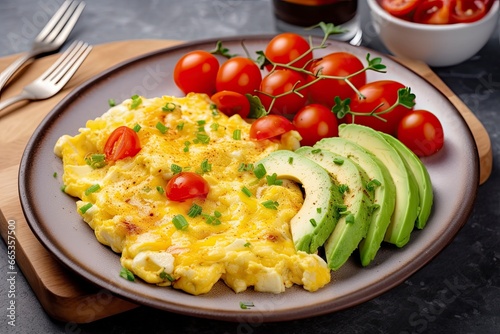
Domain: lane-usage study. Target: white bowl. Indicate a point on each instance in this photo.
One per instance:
(436, 45)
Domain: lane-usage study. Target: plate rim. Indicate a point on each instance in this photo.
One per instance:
(363, 295)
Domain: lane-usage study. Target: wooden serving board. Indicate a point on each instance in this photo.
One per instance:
(62, 294)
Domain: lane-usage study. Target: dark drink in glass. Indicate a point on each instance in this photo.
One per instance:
(295, 15)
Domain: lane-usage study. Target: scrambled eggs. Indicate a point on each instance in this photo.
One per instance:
(235, 238)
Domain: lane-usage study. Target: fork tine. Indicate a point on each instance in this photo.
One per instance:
(63, 28)
(75, 64)
(52, 22)
(71, 64)
(55, 67)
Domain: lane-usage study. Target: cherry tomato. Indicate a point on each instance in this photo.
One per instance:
(122, 143)
(422, 132)
(186, 185)
(335, 64)
(196, 72)
(315, 122)
(231, 103)
(379, 95)
(239, 74)
(399, 7)
(465, 11)
(432, 12)
(280, 82)
(286, 47)
(270, 126)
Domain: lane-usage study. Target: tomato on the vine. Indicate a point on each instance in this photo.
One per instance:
(186, 185)
(379, 96)
(339, 64)
(399, 7)
(270, 126)
(286, 47)
(196, 72)
(422, 132)
(122, 143)
(286, 82)
(231, 103)
(315, 122)
(239, 74)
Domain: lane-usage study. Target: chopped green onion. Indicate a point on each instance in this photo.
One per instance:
(316, 151)
(161, 127)
(247, 244)
(63, 188)
(160, 190)
(164, 275)
(201, 122)
(180, 126)
(180, 222)
(202, 138)
(92, 189)
(349, 219)
(246, 191)
(217, 214)
(205, 166)
(127, 274)
(136, 101)
(214, 126)
(371, 185)
(260, 171)
(246, 305)
(169, 107)
(213, 220)
(269, 204)
(111, 102)
(194, 210)
(290, 160)
(186, 146)
(136, 128)
(96, 160)
(54, 175)
(374, 207)
(313, 222)
(176, 169)
(146, 189)
(245, 167)
(318, 210)
(237, 134)
(85, 208)
(272, 180)
(338, 161)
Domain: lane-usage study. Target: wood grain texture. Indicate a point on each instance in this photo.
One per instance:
(63, 294)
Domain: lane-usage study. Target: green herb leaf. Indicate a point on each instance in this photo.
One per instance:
(406, 98)
(221, 50)
(257, 109)
(341, 107)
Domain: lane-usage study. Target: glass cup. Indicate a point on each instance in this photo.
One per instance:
(296, 15)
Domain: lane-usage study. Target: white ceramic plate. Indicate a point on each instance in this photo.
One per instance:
(53, 218)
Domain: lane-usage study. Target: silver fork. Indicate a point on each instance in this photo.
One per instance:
(53, 79)
(50, 39)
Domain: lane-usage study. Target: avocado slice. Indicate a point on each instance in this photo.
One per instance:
(422, 177)
(407, 197)
(317, 217)
(384, 196)
(355, 219)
